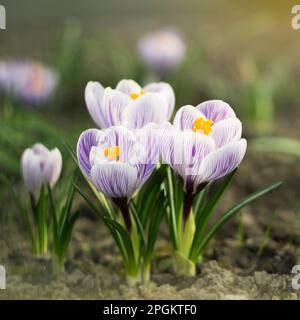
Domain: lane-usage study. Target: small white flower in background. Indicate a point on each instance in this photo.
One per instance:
(129, 104)
(30, 82)
(40, 166)
(162, 50)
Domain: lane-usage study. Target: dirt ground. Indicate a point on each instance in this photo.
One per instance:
(238, 265)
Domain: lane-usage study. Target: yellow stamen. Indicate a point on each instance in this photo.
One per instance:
(135, 95)
(203, 126)
(113, 153)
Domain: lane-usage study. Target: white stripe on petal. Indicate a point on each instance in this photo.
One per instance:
(150, 107)
(31, 171)
(185, 117)
(115, 180)
(114, 103)
(166, 90)
(94, 100)
(226, 131)
(128, 86)
(56, 160)
(222, 161)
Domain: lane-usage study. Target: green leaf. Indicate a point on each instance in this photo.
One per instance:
(63, 219)
(42, 221)
(172, 223)
(202, 219)
(230, 213)
(156, 218)
(100, 213)
(200, 200)
(53, 216)
(138, 222)
(126, 241)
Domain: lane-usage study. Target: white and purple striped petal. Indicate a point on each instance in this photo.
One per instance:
(114, 104)
(94, 92)
(40, 166)
(116, 180)
(86, 141)
(226, 131)
(222, 161)
(186, 116)
(128, 86)
(166, 90)
(216, 110)
(184, 151)
(151, 107)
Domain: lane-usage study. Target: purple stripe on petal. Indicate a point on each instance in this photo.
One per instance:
(114, 103)
(222, 161)
(226, 131)
(185, 117)
(216, 110)
(94, 101)
(115, 180)
(150, 107)
(86, 141)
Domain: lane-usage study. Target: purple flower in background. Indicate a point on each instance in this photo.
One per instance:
(40, 166)
(203, 144)
(117, 160)
(129, 104)
(30, 82)
(162, 50)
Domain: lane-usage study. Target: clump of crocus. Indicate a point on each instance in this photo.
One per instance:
(117, 162)
(29, 82)
(162, 50)
(203, 144)
(129, 104)
(45, 218)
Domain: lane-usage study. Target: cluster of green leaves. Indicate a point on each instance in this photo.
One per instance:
(146, 212)
(63, 222)
(192, 239)
(45, 220)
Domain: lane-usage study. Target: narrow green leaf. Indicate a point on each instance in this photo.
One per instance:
(53, 216)
(42, 221)
(172, 213)
(138, 222)
(202, 219)
(230, 213)
(156, 218)
(63, 219)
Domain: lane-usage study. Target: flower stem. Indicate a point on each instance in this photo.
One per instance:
(187, 206)
(58, 264)
(126, 217)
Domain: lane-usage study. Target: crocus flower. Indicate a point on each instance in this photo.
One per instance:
(162, 50)
(30, 82)
(129, 104)
(40, 166)
(203, 144)
(117, 161)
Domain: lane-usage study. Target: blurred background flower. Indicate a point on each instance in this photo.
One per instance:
(30, 82)
(162, 50)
